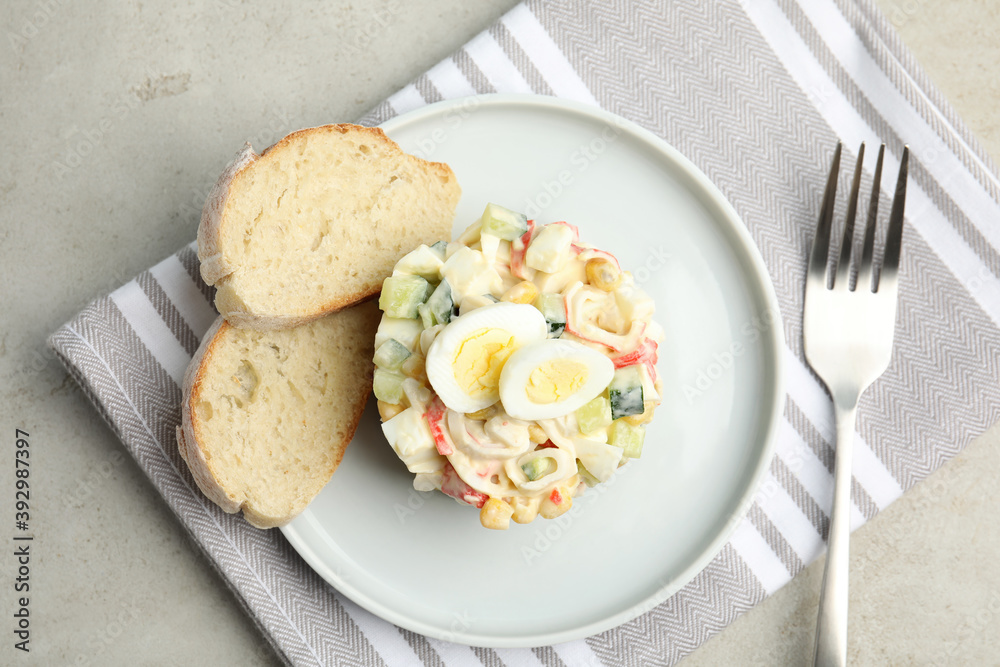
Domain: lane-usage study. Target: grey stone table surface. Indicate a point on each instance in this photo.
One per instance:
(159, 94)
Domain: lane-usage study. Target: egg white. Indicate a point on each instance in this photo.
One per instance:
(524, 322)
(517, 371)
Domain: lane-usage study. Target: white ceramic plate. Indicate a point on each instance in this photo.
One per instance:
(422, 561)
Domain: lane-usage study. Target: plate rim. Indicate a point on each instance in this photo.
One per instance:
(775, 341)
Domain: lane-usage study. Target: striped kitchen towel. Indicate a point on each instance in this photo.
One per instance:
(756, 93)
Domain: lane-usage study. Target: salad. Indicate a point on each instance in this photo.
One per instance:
(515, 366)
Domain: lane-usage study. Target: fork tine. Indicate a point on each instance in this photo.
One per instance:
(821, 242)
(894, 236)
(868, 250)
(844, 265)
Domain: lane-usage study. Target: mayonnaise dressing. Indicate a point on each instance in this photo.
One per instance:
(489, 454)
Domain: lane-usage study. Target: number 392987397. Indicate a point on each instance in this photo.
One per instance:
(21, 486)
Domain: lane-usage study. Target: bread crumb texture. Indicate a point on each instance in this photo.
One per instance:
(271, 413)
(317, 222)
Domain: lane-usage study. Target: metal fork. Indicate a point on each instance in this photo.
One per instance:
(847, 335)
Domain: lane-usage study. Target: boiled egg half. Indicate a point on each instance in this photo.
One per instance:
(466, 358)
(552, 378)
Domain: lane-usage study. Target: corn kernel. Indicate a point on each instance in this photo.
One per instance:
(556, 503)
(643, 418)
(482, 415)
(536, 434)
(413, 367)
(523, 292)
(495, 514)
(603, 274)
(525, 510)
(388, 410)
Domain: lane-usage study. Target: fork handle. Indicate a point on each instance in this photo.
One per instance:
(831, 627)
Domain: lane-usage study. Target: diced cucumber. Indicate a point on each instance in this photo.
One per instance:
(492, 298)
(440, 248)
(538, 467)
(625, 392)
(424, 313)
(594, 415)
(439, 308)
(402, 294)
(503, 222)
(553, 308)
(585, 475)
(441, 303)
(388, 386)
(391, 354)
(628, 437)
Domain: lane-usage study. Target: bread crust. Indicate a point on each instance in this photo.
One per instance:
(190, 440)
(187, 433)
(216, 267)
(227, 301)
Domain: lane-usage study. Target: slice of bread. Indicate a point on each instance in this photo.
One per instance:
(317, 222)
(266, 416)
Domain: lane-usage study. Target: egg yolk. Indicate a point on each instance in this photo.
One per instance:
(480, 358)
(556, 380)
